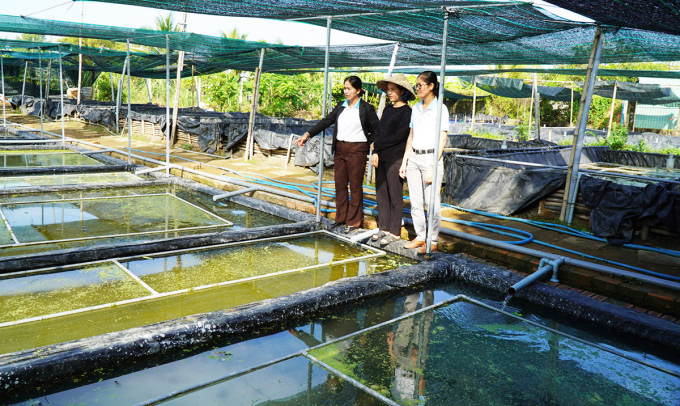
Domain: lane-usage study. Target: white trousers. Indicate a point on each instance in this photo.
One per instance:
(419, 193)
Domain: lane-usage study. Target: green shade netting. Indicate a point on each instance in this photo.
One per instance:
(517, 89)
(182, 41)
(565, 47)
(555, 71)
(654, 15)
(372, 88)
(415, 21)
(637, 92)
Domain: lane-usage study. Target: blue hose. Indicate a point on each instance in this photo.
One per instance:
(524, 237)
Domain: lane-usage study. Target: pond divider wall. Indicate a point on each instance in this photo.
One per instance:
(122, 349)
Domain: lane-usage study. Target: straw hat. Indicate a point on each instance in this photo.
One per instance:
(398, 79)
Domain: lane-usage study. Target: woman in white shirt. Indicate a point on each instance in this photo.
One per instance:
(355, 124)
(416, 165)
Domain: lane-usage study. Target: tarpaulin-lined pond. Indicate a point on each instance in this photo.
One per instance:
(41, 158)
(69, 219)
(458, 353)
(55, 305)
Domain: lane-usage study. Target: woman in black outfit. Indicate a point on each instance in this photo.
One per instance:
(388, 151)
(355, 124)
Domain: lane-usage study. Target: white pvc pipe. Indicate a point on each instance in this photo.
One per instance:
(323, 110)
(167, 104)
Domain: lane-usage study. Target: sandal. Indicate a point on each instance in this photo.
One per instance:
(378, 235)
(389, 238)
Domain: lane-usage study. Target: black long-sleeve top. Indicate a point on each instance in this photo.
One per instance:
(392, 133)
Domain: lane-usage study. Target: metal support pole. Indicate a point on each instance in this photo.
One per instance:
(537, 111)
(61, 90)
(325, 94)
(198, 92)
(129, 116)
(611, 112)
(571, 109)
(438, 127)
(80, 55)
(113, 92)
(119, 96)
(49, 76)
(531, 112)
(23, 87)
(148, 89)
(40, 92)
(393, 61)
(474, 102)
(582, 120)
(4, 98)
(167, 104)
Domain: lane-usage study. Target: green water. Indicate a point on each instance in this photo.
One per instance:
(11, 182)
(80, 287)
(468, 355)
(479, 371)
(12, 159)
(240, 216)
(32, 222)
(162, 274)
(203, 267)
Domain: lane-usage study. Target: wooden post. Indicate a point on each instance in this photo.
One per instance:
(80, 55)
(571, 109)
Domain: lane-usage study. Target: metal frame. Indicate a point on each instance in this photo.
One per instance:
(227, 223)
(305, 353)
(154, 295)
(322, 143)
(9, 228)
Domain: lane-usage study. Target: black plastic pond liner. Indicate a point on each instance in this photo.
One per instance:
(466, 141)
(61, 362)
(615, 208)
(506, 188)
(481, 185)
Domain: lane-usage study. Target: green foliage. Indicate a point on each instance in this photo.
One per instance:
(486, 134)
(32, 37)
(670, 150)
(522, 131)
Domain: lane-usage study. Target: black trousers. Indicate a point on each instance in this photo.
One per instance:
(390, 193)
(350, 167)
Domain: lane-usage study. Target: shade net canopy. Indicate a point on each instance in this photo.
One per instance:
(654, 15)
(637, 92)
(564, 47)
(517, 89)
(182, 41)
(414, 21)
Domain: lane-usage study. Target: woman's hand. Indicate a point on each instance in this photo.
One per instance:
(374, 160)
(402, 170)
(428, 175)
(301, 141)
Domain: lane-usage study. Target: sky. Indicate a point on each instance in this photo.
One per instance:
(291, 33)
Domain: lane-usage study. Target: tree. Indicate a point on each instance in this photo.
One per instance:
(233, 34)
(32, 37)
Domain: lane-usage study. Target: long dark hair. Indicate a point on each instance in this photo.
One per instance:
(430, 77)
(355, 82)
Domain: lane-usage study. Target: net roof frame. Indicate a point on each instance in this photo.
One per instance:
(653, 15)
(413, 21)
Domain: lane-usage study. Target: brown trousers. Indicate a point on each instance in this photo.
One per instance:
(350, 167)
